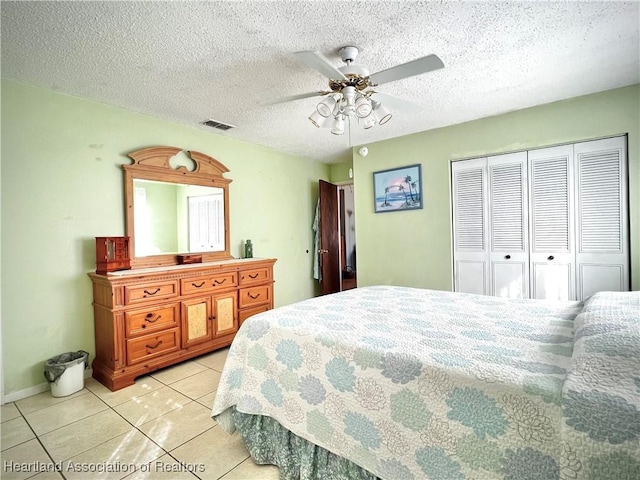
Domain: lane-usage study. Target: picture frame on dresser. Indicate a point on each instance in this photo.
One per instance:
(162, 310)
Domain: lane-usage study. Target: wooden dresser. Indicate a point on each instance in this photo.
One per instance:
(149, 318)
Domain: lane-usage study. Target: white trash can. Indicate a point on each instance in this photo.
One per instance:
(65, 372)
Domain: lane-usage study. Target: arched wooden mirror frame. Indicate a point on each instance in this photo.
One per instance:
(153, 163)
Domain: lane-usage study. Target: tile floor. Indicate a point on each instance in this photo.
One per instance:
(161, 427)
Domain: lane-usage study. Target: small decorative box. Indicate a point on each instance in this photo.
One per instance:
(112, 254)
(184, 259)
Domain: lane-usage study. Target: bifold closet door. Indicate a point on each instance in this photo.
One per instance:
(602, 236)
(508, 220)
(551, 223)
(471, 259)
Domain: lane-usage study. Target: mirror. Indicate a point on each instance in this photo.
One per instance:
(173, 211)
(174, 218)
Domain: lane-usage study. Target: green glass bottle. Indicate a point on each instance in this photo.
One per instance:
(248, 249)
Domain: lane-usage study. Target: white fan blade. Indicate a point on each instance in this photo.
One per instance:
(316, 60)
(405, 70)
(396, 104)
(291, 98)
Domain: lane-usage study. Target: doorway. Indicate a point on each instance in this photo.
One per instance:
(337, 249)
(347, 233)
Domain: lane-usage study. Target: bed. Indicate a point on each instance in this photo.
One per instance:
(405, 383)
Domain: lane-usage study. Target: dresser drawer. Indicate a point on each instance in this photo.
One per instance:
(150, 346)
(255, 295)
(149, 320)
(152, 291)
(221, 281)
(256, 275)
(249, 312)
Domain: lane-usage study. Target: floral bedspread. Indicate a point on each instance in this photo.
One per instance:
(418, 384)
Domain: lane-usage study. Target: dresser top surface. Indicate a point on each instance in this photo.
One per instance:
(185, 267)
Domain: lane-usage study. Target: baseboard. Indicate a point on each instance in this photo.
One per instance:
(35, 390)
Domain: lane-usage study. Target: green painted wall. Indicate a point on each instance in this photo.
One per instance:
(62, 185)
(414, 248)
(340, 172)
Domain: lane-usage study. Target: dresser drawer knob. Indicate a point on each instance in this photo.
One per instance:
(151, 293)
(257, 295)
(148, 318)
(197, 286)
(218, 282)
(253, 276)
(155, 346)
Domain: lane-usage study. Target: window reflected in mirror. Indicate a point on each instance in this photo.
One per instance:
(172, 218)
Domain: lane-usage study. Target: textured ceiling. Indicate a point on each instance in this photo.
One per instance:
(191, 61)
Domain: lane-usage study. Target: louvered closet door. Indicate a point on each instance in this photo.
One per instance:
(602, 256)
(508, 212)
(552, 256)
(471, 253)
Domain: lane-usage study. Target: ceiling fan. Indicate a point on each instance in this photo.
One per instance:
(351, 89)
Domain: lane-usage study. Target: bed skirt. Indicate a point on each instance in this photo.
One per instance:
(269, 442)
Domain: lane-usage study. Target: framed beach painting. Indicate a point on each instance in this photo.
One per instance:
(398, 189)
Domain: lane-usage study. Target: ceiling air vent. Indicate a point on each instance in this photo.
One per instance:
(216, 124)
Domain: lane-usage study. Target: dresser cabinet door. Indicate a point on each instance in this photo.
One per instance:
(225, 313)
(197, 321)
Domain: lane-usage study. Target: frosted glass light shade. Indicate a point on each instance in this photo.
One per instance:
(363, 107)
(326, 106)
(368, 121)
(316, 119)
(383, 115)
(338, 125)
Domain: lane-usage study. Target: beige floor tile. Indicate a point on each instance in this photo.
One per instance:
(44, 400)
(15, 432)
(61, 414)
(250, 470)
(143, 385)
(199, 384)
(207, 400)
(164, 468)
(214, 360)
(151, 405)
(69, 441)
(121, 455)
(179, 426)
(178, 372)
(9, 412)
(25, 453)
(216, 450)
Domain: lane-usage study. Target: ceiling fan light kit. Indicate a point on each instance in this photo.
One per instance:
(351, 86)
(326, 106)
(317, 119)
(381, 113)
(338, 125)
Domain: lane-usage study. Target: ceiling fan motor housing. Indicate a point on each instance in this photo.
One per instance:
(356, 75)
(348, 54)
